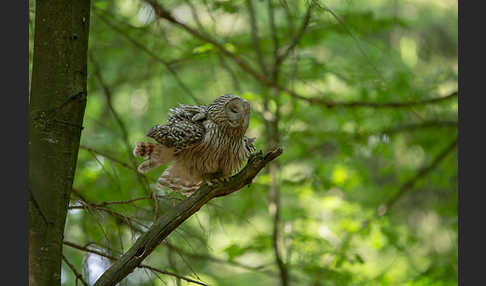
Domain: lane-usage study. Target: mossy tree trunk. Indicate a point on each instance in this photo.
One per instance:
(57, 104)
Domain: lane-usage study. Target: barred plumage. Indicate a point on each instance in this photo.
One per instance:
(204, 143)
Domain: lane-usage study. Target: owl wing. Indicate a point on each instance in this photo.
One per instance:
(194, 112)
(181, 130)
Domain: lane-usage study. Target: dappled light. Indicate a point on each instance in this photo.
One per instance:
(360, 95)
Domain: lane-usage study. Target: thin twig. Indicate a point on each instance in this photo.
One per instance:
(386, 131)
(407, 186)
(109, 99)
(273, 32)
(355, 39)
(195, 15)
(119, 120)
(175, 216)
(171, 274)
(111, 158)
(282, 56)
(164, 14)
(79, 247)
(76, 273)
(417, 126)
(167, 64)
(87, 205)
(227, 68)
(254, 36)
(219, 260)
(103, 204)
(384, 208)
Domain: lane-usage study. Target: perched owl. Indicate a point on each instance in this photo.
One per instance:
(205, 144)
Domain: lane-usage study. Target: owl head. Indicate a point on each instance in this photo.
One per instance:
(230, 112)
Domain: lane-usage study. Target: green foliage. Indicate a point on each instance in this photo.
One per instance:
(340, 165)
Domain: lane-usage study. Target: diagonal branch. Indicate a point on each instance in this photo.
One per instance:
(88, 206)
(79, 247)
(384, 208)
(167, 223)
(144, 49)
(296, 39)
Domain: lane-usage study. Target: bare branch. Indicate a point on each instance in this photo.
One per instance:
(407, 186)
(107, 203)
(384, 209)
(195, 15)
(153, 55)
(164, 14)
(88, 205)
(79, 247)
(171, 274)
(282, 56)
(227, 68)
(111, 158)
(219, 260)
(355, 39)
(254, 36)
(118, 119)
(385, 104)
(388, 131)
(167, 223)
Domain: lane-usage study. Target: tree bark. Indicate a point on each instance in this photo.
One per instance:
(56, 111)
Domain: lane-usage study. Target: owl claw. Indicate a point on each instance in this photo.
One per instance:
(217, 181)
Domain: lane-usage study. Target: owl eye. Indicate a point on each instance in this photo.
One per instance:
(234, 110)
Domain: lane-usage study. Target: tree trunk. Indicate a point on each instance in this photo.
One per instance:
(57, 104)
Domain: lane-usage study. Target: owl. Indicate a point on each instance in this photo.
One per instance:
(204, 143)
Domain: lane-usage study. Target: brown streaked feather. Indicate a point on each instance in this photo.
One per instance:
(202, 141)
(156, 154)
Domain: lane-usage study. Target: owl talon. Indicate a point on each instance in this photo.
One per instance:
(216, 181)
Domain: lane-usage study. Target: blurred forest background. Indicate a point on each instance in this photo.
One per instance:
(362, 96)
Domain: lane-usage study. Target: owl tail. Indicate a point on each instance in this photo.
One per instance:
(157, 154)
(176, 178)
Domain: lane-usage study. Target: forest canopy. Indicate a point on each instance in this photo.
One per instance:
(361, 96)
